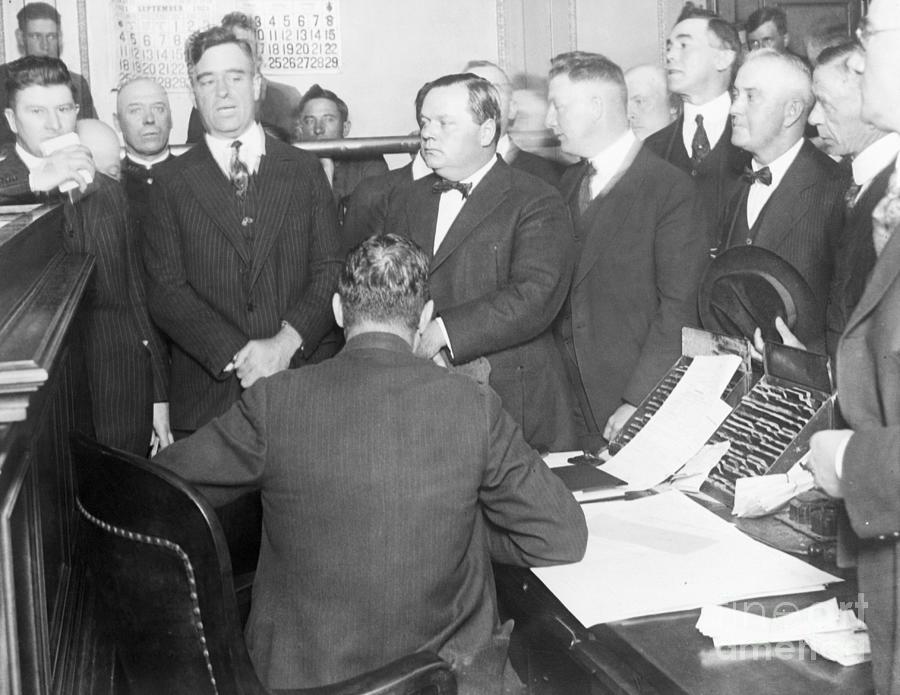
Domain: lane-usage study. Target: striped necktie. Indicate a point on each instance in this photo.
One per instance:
(239, 173)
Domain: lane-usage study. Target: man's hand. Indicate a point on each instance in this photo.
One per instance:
(162, 432)
(67, 164)
(431, 340)
(788, 338)
(823, 448)
(617, 421)
(265, 357)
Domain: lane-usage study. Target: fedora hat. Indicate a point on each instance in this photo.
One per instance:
(747, 287)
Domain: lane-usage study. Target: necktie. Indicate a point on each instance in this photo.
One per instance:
(700, 143)
(851, 195)
(886, 216)
(584, 189)
(444, 185)
(239, 173)
(763, 176)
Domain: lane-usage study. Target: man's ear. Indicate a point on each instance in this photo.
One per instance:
(787, 40)
(793, 111)
(426, 315)
(346, 129)
(724, 59)
(513, 109)
(11, 119)
(115, 120)
(338, 309)
(257, 86)
(20, 40)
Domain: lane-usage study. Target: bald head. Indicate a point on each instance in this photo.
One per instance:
(650, 104)
(144, 117)
(103, 143)
(772, 98)
(494, 74)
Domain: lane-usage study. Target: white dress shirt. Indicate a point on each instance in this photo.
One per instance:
(760, 193)
(715, 117)
(609, 161)
(253, 147)
(869, 163)
(145, 162)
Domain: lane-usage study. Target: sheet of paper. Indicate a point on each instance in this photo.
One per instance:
(626, 573)
(708, 375)
(761, 495)
(672, 436)
(848, 647)
(696, 470)
(730, 627)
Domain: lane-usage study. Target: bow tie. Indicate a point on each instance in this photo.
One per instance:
(764, 176)
(444, 185)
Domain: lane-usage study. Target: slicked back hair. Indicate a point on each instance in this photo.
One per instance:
(384, 280)
(30, 71)
(201, 41)
(36, 10)
(317, 92)
(582, 65)
(484, 101)
(838, 56)
(238, 19)
(767, 14)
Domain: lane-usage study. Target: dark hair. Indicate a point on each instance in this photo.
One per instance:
(767, 14)
(201, 41)
(725, 33)
(238, 19)
(691, 11)
(385, 280)
(833, 54)
(484, 100)
(317, 92)
(823, 37)
(36, 10)
(42, 71)
(582, 65)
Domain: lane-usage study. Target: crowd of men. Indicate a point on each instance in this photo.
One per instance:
(493, 303)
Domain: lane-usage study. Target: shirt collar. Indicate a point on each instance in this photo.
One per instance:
(715, 116)
(475, 178)
(253, 147)
(504, 145)
(873, 159)
(378, 339)
(145, 162)
(608, 161)
(780, 164)
(29, 159)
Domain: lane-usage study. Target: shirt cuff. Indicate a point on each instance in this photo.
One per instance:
(440, 322)
(839, 457)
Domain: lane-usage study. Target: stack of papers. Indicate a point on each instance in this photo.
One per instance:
(755, 497)
(666, 553)
(834, 633)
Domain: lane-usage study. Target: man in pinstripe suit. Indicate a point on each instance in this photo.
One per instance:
(124, 353)
(240, 243)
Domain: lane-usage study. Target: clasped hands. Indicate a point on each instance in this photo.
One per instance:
(265, 356)
(67, 164)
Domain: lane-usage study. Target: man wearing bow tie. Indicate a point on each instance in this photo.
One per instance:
(791, 198)
(500, 242)
(642, 244)
(240, 243)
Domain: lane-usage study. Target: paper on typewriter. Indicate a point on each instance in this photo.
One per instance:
(835, 633)
(681, 426)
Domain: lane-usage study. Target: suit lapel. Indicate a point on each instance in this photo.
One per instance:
(214, 194)
(886, 269)
(787, 202)
(488, 194)
(274, 183)
(603, 220)
(421, 213)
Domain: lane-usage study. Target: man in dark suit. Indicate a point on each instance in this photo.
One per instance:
(702, 54)
(240, 244)
(506, 147)
(123, 352)
(276, 101)
(144, 118)
(641, 249)
(39, 34)
(501, 246)
(860, 464)
(389, 486)
(323, 115)
(791, 200)
(843, 133)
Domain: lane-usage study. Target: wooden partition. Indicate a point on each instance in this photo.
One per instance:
(45, 642)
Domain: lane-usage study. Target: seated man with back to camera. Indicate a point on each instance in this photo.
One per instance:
(389, 484)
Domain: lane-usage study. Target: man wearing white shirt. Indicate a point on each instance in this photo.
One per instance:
(791, 198)
(873, 151)
(240, 243)
(501, 247)
(702, 54)
(642, 246)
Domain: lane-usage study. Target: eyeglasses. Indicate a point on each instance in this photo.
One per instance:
(864, 32)
(765, 42)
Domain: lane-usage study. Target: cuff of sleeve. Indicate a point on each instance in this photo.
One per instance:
(839, 457)
(440, 322)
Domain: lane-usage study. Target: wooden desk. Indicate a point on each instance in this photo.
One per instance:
(666, 654)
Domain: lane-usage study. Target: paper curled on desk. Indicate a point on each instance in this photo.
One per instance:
(755, 497)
